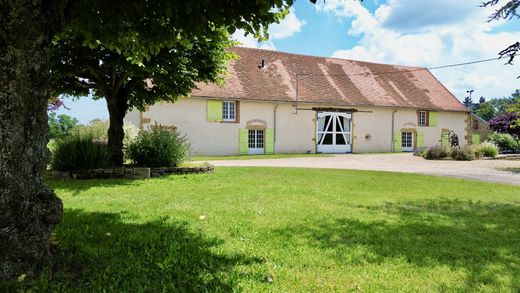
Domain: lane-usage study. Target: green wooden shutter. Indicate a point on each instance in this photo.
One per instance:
(420, 139)
(475, 138)
(398, 143)
(243, 138)
(269, 141)
(445, 139)
(433, 118)
(214, 110)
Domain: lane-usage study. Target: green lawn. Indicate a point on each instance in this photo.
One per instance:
(257, 157)
(286, 230)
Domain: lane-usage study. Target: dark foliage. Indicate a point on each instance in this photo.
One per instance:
(55, 104)
(505, 123)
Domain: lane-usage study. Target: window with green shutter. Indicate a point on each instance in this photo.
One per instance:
(214, 110)
(433, 118)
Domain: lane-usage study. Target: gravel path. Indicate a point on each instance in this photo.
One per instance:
(485, 170)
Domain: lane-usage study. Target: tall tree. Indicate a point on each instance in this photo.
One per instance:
(165, 75)
(29, 209)
(468, 103)
(485, 110)
(61, 125)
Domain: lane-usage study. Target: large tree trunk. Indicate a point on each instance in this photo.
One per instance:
(117, 104)
(28, 209)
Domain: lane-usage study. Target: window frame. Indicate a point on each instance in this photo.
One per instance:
(226, 110)
(426, 118)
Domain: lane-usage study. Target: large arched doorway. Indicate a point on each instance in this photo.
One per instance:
(334, 132)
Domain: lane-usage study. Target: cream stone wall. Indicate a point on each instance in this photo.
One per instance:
(295, 131)
(376, 123)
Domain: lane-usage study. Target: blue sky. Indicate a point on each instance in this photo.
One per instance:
(426, 33)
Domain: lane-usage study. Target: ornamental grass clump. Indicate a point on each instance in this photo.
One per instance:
(487, 149)
(158, 147)
(79, 152)
(463, 154)
(436, 152)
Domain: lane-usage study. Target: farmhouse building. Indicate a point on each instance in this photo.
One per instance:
(275, 102)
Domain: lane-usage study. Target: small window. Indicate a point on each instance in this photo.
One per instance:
(229, 111)
(423, 118)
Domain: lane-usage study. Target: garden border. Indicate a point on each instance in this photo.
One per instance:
(129, 172)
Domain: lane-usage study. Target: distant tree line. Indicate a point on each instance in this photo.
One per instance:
(503, 114)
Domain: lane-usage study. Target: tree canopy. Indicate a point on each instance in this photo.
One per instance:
(61, 125)
(159, 54)
(134, 31)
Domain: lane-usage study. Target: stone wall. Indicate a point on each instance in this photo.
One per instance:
(130, 172)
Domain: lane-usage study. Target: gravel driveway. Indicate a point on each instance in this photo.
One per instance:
(485, 170)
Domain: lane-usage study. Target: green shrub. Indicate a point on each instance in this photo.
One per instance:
(487, 149)
(463, 154)
(437, 152)
(158, 147)
(78, 152)
(506, 142)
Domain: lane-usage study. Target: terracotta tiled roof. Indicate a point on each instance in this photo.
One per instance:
(330, 81)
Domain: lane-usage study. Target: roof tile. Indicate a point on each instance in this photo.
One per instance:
(291, 77)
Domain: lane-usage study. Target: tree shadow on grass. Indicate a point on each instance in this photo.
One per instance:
(98, 252)
(75, 187)
(483, 239)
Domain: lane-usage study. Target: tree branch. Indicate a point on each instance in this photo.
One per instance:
(507, 11)
(83, 84)
(98, 76)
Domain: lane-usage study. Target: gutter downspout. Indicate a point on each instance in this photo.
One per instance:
(392, 149)
(274, 128)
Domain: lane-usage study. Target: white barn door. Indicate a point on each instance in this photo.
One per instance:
(334, 132)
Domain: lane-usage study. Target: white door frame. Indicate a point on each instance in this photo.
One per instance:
(407, 144)
(331, 129)
(255, 142)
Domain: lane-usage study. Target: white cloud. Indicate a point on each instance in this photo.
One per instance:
(289, 26)
(432, 33)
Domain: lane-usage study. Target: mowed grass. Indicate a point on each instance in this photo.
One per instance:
(286, 230)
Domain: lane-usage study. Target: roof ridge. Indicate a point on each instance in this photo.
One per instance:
(322, 57)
